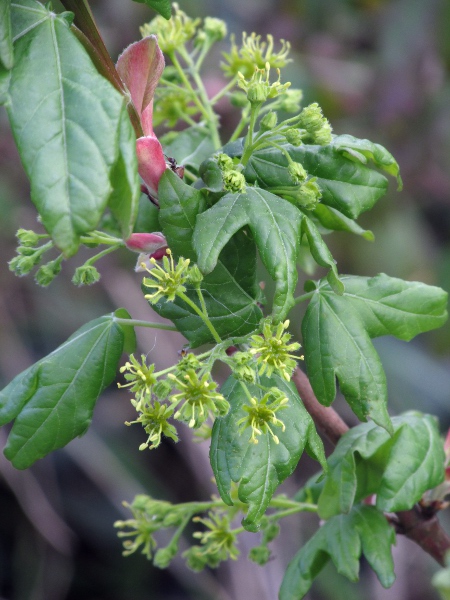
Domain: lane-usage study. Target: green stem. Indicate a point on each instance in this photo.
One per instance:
(204, 317)
(201, 57)
(101, 238)
(240, 126)
(245, 388)
(97, 257)
(248, 144)
(188, 86)
(211, 117)
(223, 91)
(139, 323)
(304, 297)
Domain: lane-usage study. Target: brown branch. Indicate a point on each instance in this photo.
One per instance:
(416, 524)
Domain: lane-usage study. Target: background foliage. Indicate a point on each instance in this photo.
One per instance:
(381, 70)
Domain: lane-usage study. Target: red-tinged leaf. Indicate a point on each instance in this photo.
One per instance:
(140, 66)
(151, 161)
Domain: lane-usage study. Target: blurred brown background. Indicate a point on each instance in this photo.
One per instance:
(381, 70)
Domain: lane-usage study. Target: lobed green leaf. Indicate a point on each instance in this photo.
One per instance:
(275, 226)
(348, 186)
(191, 147)
(259, 469)
(343, 539)
(163, 7)
(230, 290)
(52, 401)
(364, 150)
(337, 332)
(126, 187)
(398, 468)
(6, 44)
(333, 220)
(67, 121)
(322, 254)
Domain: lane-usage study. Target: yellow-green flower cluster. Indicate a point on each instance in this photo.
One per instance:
(172, 33)
(198, 398)
(258, 86)
(149, 516)
(273, 350)
(167, 280)
(140, 378)
(154, 420)
(218, 543)
(261, 415)
(254, 53)
(316, 125)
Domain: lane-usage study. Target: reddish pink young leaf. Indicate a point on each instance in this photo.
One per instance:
(146, 242)
(151, 161)
(140, 66)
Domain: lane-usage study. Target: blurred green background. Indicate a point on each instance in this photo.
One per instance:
(381, 70)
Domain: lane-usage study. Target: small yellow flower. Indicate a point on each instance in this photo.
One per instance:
(199, 398)
(254, 53)
(167, 280)
(261, 415)
(140, 378)
(272, 350)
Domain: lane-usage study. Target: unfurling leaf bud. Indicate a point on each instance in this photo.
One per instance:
(85, 275)
(269, 121)
(233, 181)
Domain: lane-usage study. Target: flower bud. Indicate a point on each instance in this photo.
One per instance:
(195, 275)
(309, 194)
(225, 162)
(85, 275)
(297, 172)
(311, 118)
(215, 29)
(28, 238)
(259, 555)
(257, 93)
(164, 556)
(47, 273)
(323, 136)
(238, 99)
(21, 265)
(293, 136)
(233, 181)
(290, 101)
(269, 121)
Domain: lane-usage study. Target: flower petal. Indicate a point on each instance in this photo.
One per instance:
(140, 66)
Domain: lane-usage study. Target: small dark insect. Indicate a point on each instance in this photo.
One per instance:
(173, 165)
